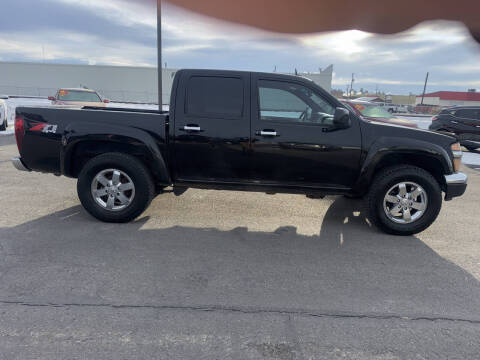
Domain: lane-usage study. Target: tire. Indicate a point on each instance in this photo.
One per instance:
(4, 125)
(129, 170)
(387, 180)
(353, 196)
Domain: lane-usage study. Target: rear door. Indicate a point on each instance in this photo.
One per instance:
(467, 120)
(294, 142)
(212, 127)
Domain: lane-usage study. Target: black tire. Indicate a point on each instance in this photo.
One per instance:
(353, 196)
(4, 125)
(134, 168)
(394, 175)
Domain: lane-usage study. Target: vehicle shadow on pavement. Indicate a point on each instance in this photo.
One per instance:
(349, 268)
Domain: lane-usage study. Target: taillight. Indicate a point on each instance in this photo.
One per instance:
(434, 118)
(19, 131)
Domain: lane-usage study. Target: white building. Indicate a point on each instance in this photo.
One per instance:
(450, 98)
(117, 83)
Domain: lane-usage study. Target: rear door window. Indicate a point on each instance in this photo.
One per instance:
(466, 113)
(215, 97)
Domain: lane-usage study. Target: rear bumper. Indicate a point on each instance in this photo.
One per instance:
(456, 184)
(19, 165)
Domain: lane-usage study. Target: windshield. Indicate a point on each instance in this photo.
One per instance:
(77, 95)
(373, 111)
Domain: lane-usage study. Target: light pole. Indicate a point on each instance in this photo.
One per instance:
(159, 52)
(424, 88)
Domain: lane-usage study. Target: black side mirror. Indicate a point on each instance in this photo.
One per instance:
(341, 118)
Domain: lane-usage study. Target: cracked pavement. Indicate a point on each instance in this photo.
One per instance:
(231, 275)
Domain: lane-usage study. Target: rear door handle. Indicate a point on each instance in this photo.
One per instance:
(192, 128)
(267, 133)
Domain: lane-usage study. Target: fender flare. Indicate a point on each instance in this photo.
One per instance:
(390, 146)
(75, 134)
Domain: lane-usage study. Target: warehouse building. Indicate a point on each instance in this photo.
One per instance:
(450, 98)
(117, 83)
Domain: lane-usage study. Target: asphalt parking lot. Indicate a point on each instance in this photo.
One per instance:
(231, 275)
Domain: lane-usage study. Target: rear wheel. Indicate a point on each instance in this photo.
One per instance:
(404, 200)
(115, 187)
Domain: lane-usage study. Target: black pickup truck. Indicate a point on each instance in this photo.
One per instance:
(243, 131)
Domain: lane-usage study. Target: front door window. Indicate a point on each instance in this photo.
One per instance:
(290, 103)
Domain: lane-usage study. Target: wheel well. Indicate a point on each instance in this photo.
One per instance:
(86, 150)
(430, 164)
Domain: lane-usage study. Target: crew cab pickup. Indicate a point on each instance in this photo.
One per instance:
(243, 131)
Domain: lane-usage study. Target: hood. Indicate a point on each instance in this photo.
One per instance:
(384, 129)
(394, 121)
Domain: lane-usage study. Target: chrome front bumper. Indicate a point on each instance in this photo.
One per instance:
(456, 184)
(19, 165)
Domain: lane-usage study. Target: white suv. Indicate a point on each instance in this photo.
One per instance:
(3, 114)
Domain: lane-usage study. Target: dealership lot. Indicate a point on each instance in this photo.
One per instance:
(231, 275)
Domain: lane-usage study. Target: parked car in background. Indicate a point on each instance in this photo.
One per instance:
(394, 108)
(3, 113)
(463, 121)
(373, 112)
(79, 97)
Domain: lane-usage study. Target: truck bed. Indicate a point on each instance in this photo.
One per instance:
(54, 136)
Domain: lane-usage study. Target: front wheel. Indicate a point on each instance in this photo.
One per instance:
(115, 187)
(404, 200)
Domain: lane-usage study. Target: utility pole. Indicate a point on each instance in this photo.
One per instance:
(159, 52)
(351, 86)
(424, 88)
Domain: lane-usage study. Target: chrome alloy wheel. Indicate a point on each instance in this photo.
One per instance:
(405, 202)
(113, 189)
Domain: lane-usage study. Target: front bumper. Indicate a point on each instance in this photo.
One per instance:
(19, 165)
(456, 184)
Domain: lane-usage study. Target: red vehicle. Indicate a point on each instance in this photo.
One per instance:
(372, 112)
(78, 97)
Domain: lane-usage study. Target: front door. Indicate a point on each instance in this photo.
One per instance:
(212, 127)
(294, 141)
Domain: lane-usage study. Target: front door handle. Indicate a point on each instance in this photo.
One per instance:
(267, 133)
(192, 128)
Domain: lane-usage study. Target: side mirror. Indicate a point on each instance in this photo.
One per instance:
(106, 101)
(341, 118)
(51, 98)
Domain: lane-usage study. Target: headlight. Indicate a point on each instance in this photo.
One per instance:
(457, 156)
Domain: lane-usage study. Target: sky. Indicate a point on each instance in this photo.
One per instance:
(123, 32)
